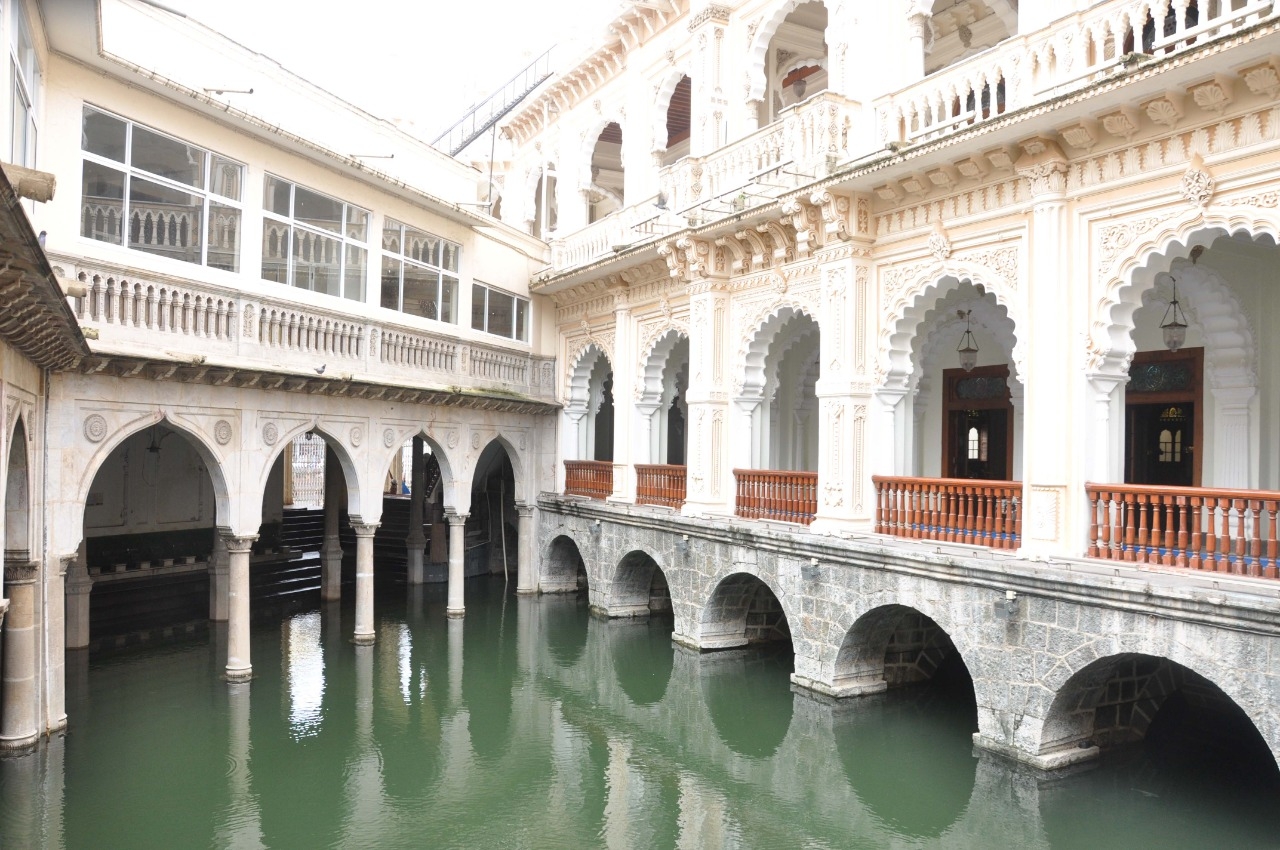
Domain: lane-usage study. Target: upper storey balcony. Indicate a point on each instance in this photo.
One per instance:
(828, 134)
(146, 321)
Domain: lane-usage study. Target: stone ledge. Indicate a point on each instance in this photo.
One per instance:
(1053, 760)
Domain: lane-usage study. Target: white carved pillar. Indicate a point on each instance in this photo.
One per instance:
(1053, 491)
(708, 462)
(416, 543)
(18, 712)
(456, 608)
(525, 583)
(845, 497)
(1017, 397)
(708, 105)
(331, 549)
(364, 581)
(919, 38)
(239, 668)
(625, 358)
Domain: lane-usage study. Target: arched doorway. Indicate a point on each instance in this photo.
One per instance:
(663, 413)
(492, 526)
(588, 435)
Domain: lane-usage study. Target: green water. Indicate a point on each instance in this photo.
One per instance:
(529, 724)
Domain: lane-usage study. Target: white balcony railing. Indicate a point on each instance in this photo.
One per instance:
(804, 145)
(1075, 51)
(223, 327)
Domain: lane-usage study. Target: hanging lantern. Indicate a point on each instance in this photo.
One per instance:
(1174, 325)
(968, 347)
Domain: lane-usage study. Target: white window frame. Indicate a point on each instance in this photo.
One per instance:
(439, 270)
(207, 196)
(528, 306)
(25, 87)
(294, 224)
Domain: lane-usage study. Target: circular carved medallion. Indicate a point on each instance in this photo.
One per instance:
(356, 436)
(388, 438)
(95, 428)
(270, 433)
(222, 432)
(475, 441)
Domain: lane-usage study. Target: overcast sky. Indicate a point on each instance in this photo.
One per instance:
(425, 61)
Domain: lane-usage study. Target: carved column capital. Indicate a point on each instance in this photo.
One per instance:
(237, 544)
(365, 529)
(21, 572)
(455, 518)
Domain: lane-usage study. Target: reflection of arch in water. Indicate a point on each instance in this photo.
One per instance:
(564, 628)
(909, 758)
(643, 657)
(409, 738)
(748, 695)
(563, 569)
(488, 675)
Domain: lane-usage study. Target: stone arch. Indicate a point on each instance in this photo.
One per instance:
(918, 641)
(758, 49)
(1147, 248)
(563, 568)
(632, 589)
(909, 310)
(17, 494)
(942, 329)
(214, 463)
(724, 620)
(350, 471)
(587, 157)
(449, 465)
(514, 456)
(1072, 715)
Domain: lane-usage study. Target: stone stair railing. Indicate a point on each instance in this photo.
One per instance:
(137, 314)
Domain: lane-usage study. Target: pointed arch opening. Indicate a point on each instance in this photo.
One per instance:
(677, 111)
(606, 190)
(17, 498)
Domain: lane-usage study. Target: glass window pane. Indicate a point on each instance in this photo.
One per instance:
(357, 260)
(522, 320)
(421, 291)
(275, 195)
(450, 261)
(317, 210)
(449, 299)
(225, 177)
(317, 262)
(422, 247)
(103, 197)
(478, 308)
(502, 310)
(103, 135)
(167, 157)
(165, 221)
(357, 223)
(275, 251)
(19, 143)
(390, 295)
(224, 238)
(391, 236)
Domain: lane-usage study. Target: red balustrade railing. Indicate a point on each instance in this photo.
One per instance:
(660, 484)
(956, 510)
(777, 494)
(590, 478)
(1230, 531)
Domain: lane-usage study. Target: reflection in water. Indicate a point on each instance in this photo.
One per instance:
(304, 667)
(527, 725)
(748, 695)
(908, 753)
(642, 657)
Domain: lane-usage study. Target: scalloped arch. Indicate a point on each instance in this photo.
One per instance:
(761, 331)
(662, 103)
(1123, 283)
(658, 346)
(909, 310)
(580, 368)
(758, 50)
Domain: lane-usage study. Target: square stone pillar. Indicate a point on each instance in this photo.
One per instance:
(526, 582)
(708, 107)
(625, 361)
(331, 548)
